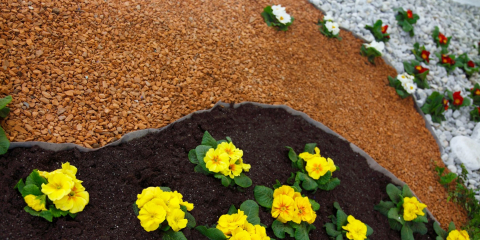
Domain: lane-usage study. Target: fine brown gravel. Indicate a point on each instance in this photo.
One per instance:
(89, 71)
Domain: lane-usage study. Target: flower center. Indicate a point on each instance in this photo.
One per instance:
(215, 159)
(281, 17)
(477, 92)
(232, 167)
(71, 194)
(333, 26)
(318, 168)
(424, 56)
(59, 187)
(457, 101)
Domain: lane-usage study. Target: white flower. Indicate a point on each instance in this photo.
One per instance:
(328, 17)
(409, 87)
(278, 10)
(332, 27)
(284, 18)
(379, 46)
(405, 78)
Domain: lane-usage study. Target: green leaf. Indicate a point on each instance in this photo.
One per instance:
(394, 193)
(20, 185)
(172, 235)
(4, 142)
(221, 141)
(72, 215)
(243, 181)
(4, 101)
(250, 208)
(421, 219)
(339, 237)
(307, 182)
(292, 155)
(31, 189)
(393, 214)
(406, 192)
(165, 189)
(406, 233)
(35, 179)
(369, 230)
(300, 164)
(341, 219)
(191, 220)
(208, 140)
(384, 207)
(229, 139)
(45, 214)
(226, 181)
(201, 151)
(301, 232)
(451, 226)
(440, 232)
(325, 178)
(232, 210)
(395, 225)
(263, 195)
(333, 183)
(330, 228)
(192, 156)
(279, 229)
(277, 185)
(200, 169)
(310, 148)
(315, 205)
(409, 68)
(164, 227)
(59, 213)
(135, 209)
(337, 206)
(296, 187)
(4, 112)
(418, 227)
(211, 233)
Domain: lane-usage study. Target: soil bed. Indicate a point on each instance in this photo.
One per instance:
(115, 175)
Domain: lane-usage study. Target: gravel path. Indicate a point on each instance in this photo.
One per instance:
(454, 19)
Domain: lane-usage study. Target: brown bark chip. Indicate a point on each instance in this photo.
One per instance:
(89, 68)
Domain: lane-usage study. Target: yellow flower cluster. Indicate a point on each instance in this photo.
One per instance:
(458, 235)
(37, 203)
(317, 165)
(226, 159)
(356, 229)
(289, 205)
(157, 205)
(412, 208)
(236, 227)
(63, 189)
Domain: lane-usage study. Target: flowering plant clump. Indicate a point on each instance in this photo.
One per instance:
(294, 214)
(222, 160)
(456, 100)
(405, 213)
(329, 28)
(418, 71)
(277, 16)
(440, 39)
(160, 208)
(314, 172)
(475, 94)
(406, 19)
(475, 114)
(468, 66)
(379, 31)
(343, 225)
(403, 84)
(421, 54)
(237, 224)
(53, 194)
(4, 110)
(435, 105)
(451, 234)
(449, 62)
(372, 50)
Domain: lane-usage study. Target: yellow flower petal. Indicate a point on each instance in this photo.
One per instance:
(58, 186)
(37, 203)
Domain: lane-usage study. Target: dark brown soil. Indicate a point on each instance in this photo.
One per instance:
(115, 175)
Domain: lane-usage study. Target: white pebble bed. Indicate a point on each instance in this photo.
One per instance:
(462, 22)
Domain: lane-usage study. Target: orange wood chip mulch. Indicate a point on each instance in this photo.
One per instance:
(87, 72)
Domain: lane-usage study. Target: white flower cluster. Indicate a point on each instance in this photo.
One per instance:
(281, 14)
(331, 26)
(407, 82)
(379, 46)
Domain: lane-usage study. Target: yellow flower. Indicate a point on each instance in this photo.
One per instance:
(317, 167)
(330, 165)
(240, 234)
(245, 167)
(412, 208)
(58, 186)
(260, 233)
(75, 201)
(283, 208)
(188, 205)
(458, 235)
(228, 223)
(216, 160)
(176, 220)
(357, 230)
(37, 203)
(248, 227)
(234, 169)
(69, 170)
(284, 190)
(43, 174)
(147, 195)
(304, 211)
(230, 149)
(151, 215)
(307, 156)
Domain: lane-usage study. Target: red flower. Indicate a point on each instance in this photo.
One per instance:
(409, 13)
(384, 29)
(452, 61)
(442, 39)
(426, 55)
(477, 92)
(446, 59)
(457, 99)
(445, 104)
(421, 69)
(471, 64)
(388, 36)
